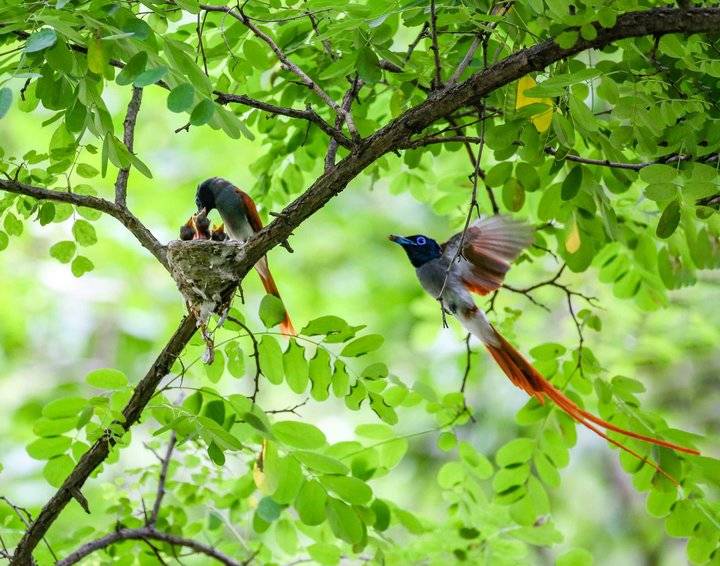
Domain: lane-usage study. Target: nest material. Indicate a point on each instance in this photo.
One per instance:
(203, 272)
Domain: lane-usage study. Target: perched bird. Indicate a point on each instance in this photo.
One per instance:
(477, 263)
(241, 220)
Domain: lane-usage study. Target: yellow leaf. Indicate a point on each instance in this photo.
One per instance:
(259, 468)
(572, 242)
(543, 119)
(96, 57)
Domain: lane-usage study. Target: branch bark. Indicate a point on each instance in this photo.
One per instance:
(389, 138)
(145, 534)
(127, 218)
(129, 139)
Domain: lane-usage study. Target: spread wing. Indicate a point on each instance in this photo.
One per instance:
(251, 210)
(489, 247)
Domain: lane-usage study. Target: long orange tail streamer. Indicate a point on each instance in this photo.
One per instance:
(268, 282)
(527, 378)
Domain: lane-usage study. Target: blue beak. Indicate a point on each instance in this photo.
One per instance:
(400, 240)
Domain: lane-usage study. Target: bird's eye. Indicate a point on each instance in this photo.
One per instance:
(420, 241)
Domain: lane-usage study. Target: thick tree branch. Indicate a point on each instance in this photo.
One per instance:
(100, 450)
(389, 138)
(128, 139)
(145, 534)
(127, 218)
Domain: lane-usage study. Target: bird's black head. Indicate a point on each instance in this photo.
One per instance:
(419, 249)
(205, 194)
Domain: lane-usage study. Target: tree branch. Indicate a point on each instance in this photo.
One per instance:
(145, 534)
(633, 166)
(127, 218)
(286, 62)
(128, 139)
(437, 82)
(308, 114)
(101, 449)
(164, 465)
(355, 86)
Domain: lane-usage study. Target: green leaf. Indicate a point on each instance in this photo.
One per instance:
(363, 345)
(58, 469)
(84, 233)
(516, 451)
(40, 40)
(344, 521)
(451, 474)
(150, 76)
(295, 367)
(310, 503)
(202, 113)
(320, 373)
(64, 407)
(340, 379)
(96, 56)
(669, 220)
(256, 54)
(63, 251)
(271, 359)
(48, 447)
(133, 69)
(290, 480)
(500, 173)
(268, 510)
(13, 226)
(658, 174)
(351, 489)
(320, 463)
(5, 100)
(87, 171)
(81, 265)
(324, 325)
(563, 130)
(367, 65)
(272, 311)
(107, 378)
(4, 241)
(299, 434)
(181, 98)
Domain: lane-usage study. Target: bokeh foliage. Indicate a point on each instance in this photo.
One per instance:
(612, 154)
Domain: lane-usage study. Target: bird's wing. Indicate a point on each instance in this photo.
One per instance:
(489, 247)
(251, 210)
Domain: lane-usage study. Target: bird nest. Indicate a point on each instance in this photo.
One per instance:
(204, 273)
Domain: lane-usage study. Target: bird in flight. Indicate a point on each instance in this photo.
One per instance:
(476, 261)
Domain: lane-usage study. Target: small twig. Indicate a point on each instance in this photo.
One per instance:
(292, 410)
(255, 354)
(437, 81)
(355, 85)
(477, 40)
(199, 29)
(414, 44)
(466, 374)
(325, 43)
(164, 465)
(128, 139)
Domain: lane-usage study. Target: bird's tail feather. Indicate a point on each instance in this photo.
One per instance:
(526, 377)
(263, 269)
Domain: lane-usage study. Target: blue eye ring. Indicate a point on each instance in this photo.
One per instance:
(420, 241)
